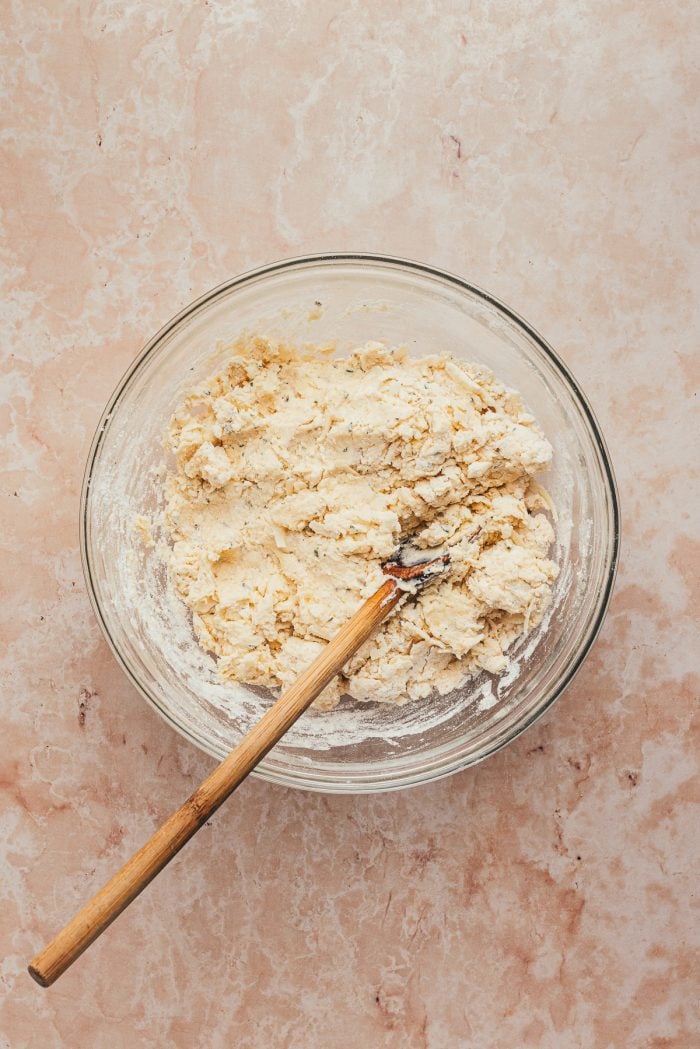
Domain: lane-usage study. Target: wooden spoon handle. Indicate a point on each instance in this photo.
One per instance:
(143, 866)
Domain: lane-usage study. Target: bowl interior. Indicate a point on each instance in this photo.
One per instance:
(344, 301)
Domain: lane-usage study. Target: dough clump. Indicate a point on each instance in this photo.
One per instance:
(298, 474)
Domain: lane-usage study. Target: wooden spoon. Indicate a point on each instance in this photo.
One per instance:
(143, 866)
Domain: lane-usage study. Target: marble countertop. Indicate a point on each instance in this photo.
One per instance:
(545, 151)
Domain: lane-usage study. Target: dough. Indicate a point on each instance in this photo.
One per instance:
(298, 474)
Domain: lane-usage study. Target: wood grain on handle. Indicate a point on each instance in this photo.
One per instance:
(143, 866)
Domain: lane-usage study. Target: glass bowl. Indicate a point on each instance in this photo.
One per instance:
(343, 299)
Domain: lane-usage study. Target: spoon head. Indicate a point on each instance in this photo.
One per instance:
(418, 572)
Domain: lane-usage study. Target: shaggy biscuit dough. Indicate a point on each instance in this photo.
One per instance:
(299, 474)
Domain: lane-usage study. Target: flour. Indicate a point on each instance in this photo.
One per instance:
(298, 475)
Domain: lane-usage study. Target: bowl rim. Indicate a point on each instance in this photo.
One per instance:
(401, 780)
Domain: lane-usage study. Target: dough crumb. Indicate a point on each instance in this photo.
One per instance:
(143, 528)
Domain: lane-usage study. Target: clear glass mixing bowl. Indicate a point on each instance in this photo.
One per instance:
(347, 300)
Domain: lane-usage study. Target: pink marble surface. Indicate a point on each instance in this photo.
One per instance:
(544, 150)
